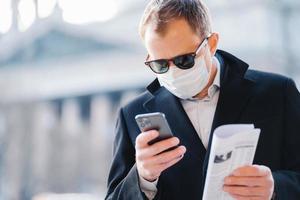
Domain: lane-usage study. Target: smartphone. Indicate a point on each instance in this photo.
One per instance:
(154, 121)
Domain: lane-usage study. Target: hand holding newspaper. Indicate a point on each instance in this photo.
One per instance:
(232, 146)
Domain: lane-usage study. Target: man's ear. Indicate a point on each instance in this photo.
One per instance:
(213, 43)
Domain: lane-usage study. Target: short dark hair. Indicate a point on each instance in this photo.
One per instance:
(160, 12)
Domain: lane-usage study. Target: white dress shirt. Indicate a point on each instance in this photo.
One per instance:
(201, 113)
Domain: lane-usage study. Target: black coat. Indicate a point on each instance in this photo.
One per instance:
(270, 101)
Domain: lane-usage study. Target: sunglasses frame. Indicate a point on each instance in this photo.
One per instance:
(193, 54)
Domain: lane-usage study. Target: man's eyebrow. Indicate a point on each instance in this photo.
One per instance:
(191, 50)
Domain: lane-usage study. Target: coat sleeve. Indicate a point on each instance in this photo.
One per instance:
(123, 180)
(287, 182)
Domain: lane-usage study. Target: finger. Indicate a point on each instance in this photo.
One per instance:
(162, 146)
(158, 168)
(165, 158)
(169, 155)
(239, 197)
(171, 163)
(245, 191)
(252, 170)
(143, 138)
(157, 148)
(245, 181)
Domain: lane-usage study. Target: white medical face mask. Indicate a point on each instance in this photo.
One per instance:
(188, 83)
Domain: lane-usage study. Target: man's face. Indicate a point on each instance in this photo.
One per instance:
(178, 39)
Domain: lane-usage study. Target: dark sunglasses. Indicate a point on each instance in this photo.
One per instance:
(184, 62)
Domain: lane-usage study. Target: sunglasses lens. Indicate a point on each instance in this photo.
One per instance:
(159, 66)
(185, 61)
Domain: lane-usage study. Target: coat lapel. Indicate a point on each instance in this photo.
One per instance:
(235, 92)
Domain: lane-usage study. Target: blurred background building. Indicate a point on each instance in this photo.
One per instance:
(67, 66)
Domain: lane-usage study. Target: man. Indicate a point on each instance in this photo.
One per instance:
(199, 88)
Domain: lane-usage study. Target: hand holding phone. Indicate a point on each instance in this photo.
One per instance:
(156, 147)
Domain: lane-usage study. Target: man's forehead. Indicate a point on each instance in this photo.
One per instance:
(172, 43)
(171, 28)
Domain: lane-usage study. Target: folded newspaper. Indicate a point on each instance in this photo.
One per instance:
(232, 146)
